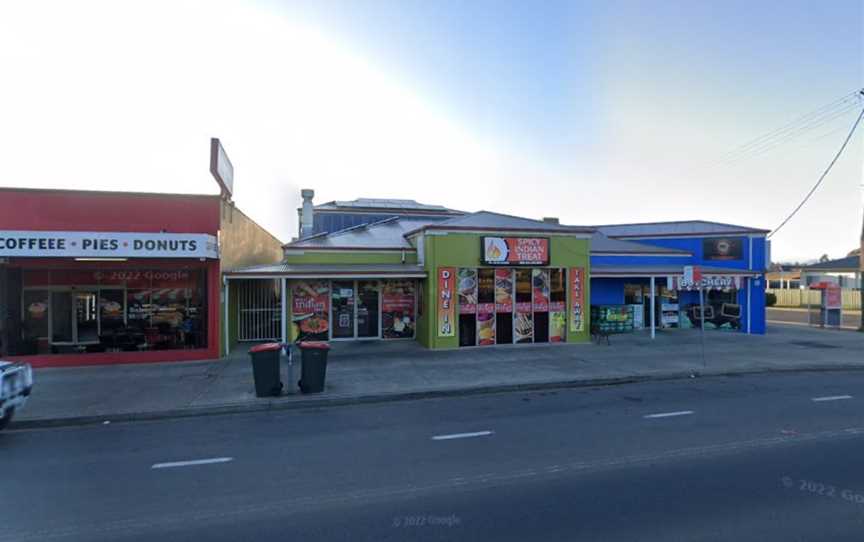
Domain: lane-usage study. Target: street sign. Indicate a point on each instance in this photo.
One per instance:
(221, 167)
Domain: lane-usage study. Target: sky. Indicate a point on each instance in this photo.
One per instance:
(592, 112)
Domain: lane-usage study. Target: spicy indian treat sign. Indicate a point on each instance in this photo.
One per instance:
(515, 250)
(446, 301)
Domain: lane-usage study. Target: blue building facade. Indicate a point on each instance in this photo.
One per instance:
(734, 259)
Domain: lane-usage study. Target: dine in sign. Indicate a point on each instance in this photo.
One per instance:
(446, 302)
(515, 250)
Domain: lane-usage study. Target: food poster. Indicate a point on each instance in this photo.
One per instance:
(485, 328)
(577, 299)
(447, 301)
(397, 309)
(310, 308)
(523, 327)
(540, 289)
(503, 290)
(467, 286)
(557, 326)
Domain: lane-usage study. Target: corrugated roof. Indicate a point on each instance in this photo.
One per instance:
(672, 229)
(849, 263)
(600, 244)
(387, 233)
(378, 204)
(332, 270)
(487, 220)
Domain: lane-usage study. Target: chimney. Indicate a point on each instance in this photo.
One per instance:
(551, 220)
(306, 214)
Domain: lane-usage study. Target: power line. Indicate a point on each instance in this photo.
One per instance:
(772, 144)
(841, 103)
(824, 174)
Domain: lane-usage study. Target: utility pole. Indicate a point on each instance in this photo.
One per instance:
(861, 253)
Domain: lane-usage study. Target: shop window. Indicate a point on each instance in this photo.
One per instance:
(310, 309)
(504, 306)
(467, 292)
(110, 310)
(398, 301)
(557, 306)
(523, 322)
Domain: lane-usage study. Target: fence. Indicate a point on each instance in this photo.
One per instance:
(799, 298)
(259, 303)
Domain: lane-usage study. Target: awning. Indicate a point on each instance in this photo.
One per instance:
(329, 271)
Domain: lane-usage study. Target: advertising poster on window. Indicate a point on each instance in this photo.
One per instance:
(310, 308)
(540, 287)
(523, 327)
(515, 250)
(577, 299)
(485, 325)
(503, 290)
(397, 309)
(446, 301)
(467, 287)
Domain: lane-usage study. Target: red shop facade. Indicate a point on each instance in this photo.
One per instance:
(92, 278)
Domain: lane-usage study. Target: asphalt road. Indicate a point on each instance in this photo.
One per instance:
(797, 316)
(775, 457)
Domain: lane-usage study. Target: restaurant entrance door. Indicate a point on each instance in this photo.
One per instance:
(356, 310)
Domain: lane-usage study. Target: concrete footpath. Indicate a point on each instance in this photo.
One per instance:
(385, 371)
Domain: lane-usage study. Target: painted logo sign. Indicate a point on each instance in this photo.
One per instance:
(446, 302)
(515, 250)
(725, 248)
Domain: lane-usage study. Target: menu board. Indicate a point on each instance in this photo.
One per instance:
(310, 307)
(503, 290)
(446, 302)
(515, 250)
(577, 299)
(540, 289)
(467, 286)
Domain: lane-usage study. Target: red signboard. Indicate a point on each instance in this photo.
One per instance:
(515, 250)
(833, 297)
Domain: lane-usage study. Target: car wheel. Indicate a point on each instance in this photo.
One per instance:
(4, 421)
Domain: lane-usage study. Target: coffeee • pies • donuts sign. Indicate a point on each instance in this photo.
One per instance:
(81, 244)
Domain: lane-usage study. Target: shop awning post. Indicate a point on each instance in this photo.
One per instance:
(653, 312)
(702, 324)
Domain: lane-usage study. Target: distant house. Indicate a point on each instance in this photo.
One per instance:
(844, 271)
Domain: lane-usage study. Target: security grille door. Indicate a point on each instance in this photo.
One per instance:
(260, 309)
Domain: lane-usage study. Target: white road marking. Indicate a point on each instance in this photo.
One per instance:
(668, 414)
(462, 435)
(831, 398)
(194, 462)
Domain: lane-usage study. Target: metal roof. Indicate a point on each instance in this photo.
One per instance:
(331, 270)
(390, 204)
(685, 228)
(847, 264)
(600, 244)
(487, 220)
(387, 233)
(662, 270)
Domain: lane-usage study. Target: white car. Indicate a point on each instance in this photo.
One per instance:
(16, 382)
